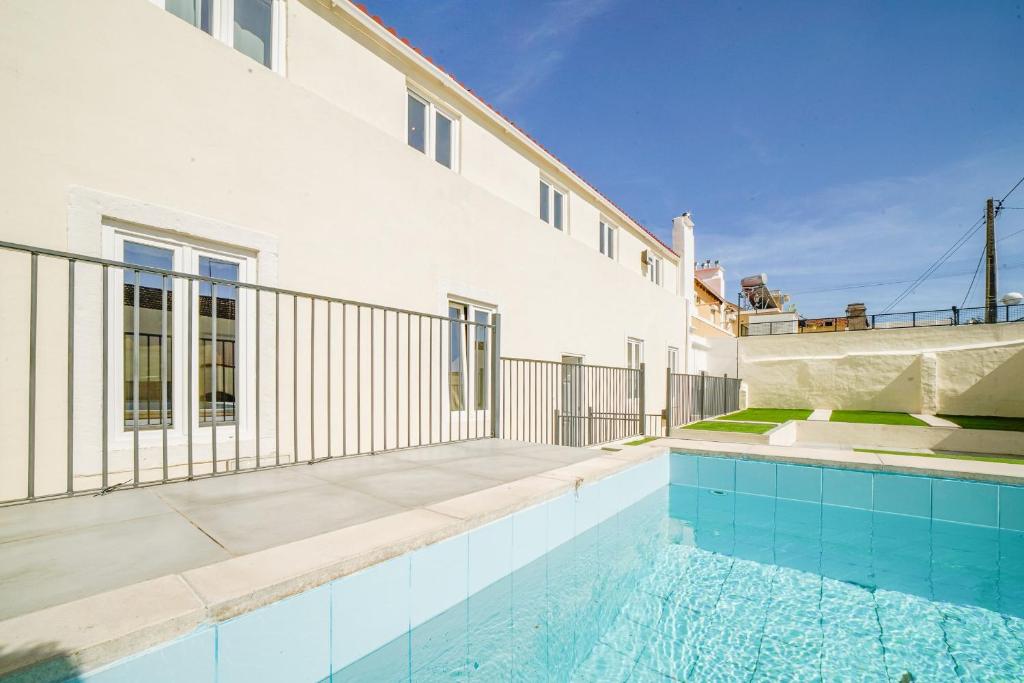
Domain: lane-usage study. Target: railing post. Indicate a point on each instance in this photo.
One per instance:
(668, 395)
(956, 316)
(913, 319)
(557, 440)
(872, 321)
(496, 377)
(590, 426)
(703, 391)
(643, 401)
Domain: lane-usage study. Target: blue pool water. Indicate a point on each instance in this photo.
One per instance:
(746, 571)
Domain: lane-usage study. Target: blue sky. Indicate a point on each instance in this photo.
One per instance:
(826, 143)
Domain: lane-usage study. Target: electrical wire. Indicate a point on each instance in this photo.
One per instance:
(1019, 182)
(961, 241)
(974, 277)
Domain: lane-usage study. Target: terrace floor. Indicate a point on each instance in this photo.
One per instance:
(57, 551)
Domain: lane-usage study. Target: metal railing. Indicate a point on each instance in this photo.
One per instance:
(690, 398)
(978, 315)
(306, 377)
(570, 404)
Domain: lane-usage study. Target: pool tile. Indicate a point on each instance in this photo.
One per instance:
(798, 482)
(490, 553)
(388, 664)
(369, 609)
(755, 477)
(683, 469)
(439, 578)
(439, 648)
(968, 502)
(287, 640)
(903, 495)
(593, 503)
(1011, 507)
(489, 627)
(847, 488)
(529, 535)
(716, 473)
(561, 519)
(192, 658)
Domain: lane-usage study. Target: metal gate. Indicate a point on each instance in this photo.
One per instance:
(570, 403)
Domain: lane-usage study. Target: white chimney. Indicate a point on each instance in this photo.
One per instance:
(682, 244)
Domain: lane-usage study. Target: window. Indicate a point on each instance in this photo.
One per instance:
(634, 357)
(154, 301)
(654, 268)
(431, 130)
(552, 205)
(217, 352)
(469, 372)
(417, 124)
(673, 359)
(250, 26)
(152, 367)
(607, 239)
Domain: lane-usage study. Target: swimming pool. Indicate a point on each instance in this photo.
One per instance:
(744, 570)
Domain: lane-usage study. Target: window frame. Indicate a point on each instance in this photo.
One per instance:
(222, 28)
(608, 235)
(553, 189)
(434, 109)
(186, 254)
(655, 268)
(634, 359)
(469, 380)
(672, 360)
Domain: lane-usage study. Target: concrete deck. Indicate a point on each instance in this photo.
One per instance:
(56, 551)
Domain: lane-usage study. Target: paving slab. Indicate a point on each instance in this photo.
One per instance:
(820, 415)
(48, 570)
(253, 524)
(421, 486)
(936, 421)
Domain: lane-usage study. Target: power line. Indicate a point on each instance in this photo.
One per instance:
(961, 241)
(1012, 189)
(974, 277)
(866, 285)
(1006, 237)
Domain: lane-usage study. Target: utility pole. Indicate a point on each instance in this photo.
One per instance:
(990, 261)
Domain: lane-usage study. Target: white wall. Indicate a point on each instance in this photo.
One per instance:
(176, 132)
(968, 370)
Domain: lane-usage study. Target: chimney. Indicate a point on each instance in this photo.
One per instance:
(682, 244)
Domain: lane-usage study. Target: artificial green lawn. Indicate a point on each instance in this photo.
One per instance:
(745, 427)
(875, 417)
(640, 442)
(1011, 424)
(777, 415)
(954, 456)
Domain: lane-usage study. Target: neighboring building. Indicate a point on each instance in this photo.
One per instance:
(301, 145)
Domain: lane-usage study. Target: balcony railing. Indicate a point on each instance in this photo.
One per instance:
(979, 315)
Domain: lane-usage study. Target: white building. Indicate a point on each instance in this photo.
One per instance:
(298, 145)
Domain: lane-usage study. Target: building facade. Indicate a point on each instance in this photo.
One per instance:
(292, 144)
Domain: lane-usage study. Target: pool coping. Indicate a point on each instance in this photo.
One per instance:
(78, 636)
(930, 466)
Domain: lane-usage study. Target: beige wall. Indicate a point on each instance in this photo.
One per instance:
(168, 130)
(970, 370)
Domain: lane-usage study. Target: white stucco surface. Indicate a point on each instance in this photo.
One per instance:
(965, 370)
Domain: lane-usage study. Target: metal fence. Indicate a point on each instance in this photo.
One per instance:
(954, 316)
(138, 375)
(691, 398)
(570, 404)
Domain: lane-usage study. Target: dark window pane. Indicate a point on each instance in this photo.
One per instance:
(417, 135)
(253, 21)
(199, 13)
(544, 198)
(443, 140)
(149, 349)
(455, 336)
(219, 405)
(559, 199)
